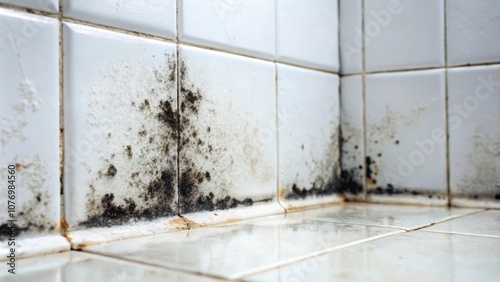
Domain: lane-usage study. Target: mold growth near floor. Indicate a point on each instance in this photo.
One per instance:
(135, 109)
(33, 212)
(482, 182)
(219, 150)
(351, 151)
(323, 175)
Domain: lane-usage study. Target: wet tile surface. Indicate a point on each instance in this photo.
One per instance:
(416, 256)
(482, 223)
(229, 250)
(400, 216)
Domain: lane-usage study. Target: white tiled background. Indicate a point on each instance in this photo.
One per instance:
(257, 90)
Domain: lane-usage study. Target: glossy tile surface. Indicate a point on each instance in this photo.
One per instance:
(397, 216)
(350, 36)
(473, 119)
(156, 17)
(78, 266)
(120, 94)
(51, 6)
(307, 33)
(352, 139)
(226, 162)
(234, 249)
(406, 137)
(308, 133)
(404, 34)
(472, 31)
(416, 256)
(29, 126)
(482, 223)
(238, 26)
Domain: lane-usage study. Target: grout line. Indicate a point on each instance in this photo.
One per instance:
(62, 220)
(31, 10)
(446, 107)
(354, 223)
(178, 82)
(310, 255)
(444, 220)
(363, 87)
(462, 234)
(277, 139)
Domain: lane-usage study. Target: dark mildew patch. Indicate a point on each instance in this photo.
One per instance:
(351, 156)
(135, 107)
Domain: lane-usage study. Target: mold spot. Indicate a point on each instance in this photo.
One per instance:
(349, 183)
(111, 172)
(128, 150)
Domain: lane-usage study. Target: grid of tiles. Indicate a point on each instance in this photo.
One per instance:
(420, 101)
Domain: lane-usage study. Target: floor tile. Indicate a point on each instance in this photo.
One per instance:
(404, 34)
(245, 27)
(225, 160)
(307, 33)
(406, 137)
(399, 216)
(472, 32)
(229, 250)
(78, 266)
(120, 94)
(416, 256)
(350, 36)
(352, 139)
(482, 223)
(473, 118)
(51, 6)
(308, 137)
(156, 17)
(29, 129)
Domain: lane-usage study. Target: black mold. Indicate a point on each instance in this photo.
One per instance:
(319, 188)
(390, 190)
(111, 171)
(348, 182)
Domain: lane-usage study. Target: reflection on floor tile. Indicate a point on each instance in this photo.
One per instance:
(240, 247)
(77, 266)
(483, 223)
(399, 216)
(416, 256)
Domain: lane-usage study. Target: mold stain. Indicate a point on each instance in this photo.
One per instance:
(34, 208)
(134, 107)
(212, 158)
(351, 175)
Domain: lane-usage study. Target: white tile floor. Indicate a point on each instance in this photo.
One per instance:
(352, 242)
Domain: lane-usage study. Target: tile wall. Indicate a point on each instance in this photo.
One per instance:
(140, 117)
(420, 101)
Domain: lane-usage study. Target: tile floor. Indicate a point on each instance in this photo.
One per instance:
(351, 242)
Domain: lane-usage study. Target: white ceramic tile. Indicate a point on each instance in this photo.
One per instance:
(472, 31)
(308, 133)
(406, 137)
(482, 223)
(239, 26)
(156, 17)
(234, 249)
(474, 116)
(51, 6)
(29, 128)
(397, 216)
(120, 96)
(228, 153)
(416, 256)
(351, 36)
(352, 143)
(307, 33)
(404, 34)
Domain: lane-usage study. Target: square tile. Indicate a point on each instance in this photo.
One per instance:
(227, 151)
(120, 98)
(404, 34)
(473, 117)
(232, 250)
(156, 17)
(406, 137)
(351, 36)
(416, 256)
(29, 129)
(307, 33)
(484, 223)
(50, 6)
(239, 26)
(396, 216)
(352, 139)
(308, 137)
(472, 32)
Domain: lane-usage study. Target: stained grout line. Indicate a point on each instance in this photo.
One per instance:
(462, 234)
(325, 251)
(445, 220)
(363, 87)
(446, 106)
(354, 223)
(62, 227)
(31, 10)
